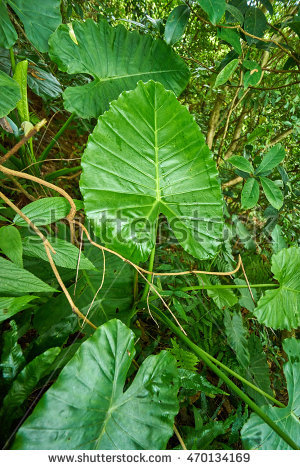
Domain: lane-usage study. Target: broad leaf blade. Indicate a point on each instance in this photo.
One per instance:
(272, 192)
(176, 24)
(215, 9)
(146, 156)
(10, 94)
(46, 211)
(255, 24)
(40, 19)
(8, 34)
(280, 308)
(256, 434)
(9, 306)
(109, 418)
(117, 59)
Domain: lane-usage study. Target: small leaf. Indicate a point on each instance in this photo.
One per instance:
(236, 14)
(12, 358)
(14, 279)
(46, 211)
(250, 193)
(176, 24)
(193, 381)
(253, 74)
(11, 244)
(87, 407)
(241, 163)
(278, 241)
(66, 255)
(232, 37)
(255, 24)
(215, 9)
(274, 156)
(226, 72)
(272, 192)
(10, 94)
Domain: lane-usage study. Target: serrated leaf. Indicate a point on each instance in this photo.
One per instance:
(8, 34)
(117, 59)
(241, 163)
(237, 336)
(226, 72)
(274, 156)
(250, 193)
(280, 308)
(46, 211)
(109, 417)
(272, 192)
(232, 37)
(256, 434)
(147, 156)
(40, 19)
(11, 244)
(66, 255)
(255, 24)
(176, 24)
(10, 94)
(17, 280)
(9, 306)
(215, 9)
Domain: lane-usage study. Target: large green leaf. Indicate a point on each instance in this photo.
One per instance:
(176, 24)
(15, 280)
(8, 35)
(147, 156)
(10, 94)
(87, 408)
(215, 9)
(256, 434)
(40, 19)
(117, 59)
(280, 308)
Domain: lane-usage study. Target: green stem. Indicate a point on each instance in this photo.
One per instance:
(222, 286)
(46, 151)
(205, 358)
(61, 172)
(12, 59)
(150, 268)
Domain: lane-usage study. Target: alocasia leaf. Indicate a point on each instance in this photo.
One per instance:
(117, 59)
(87, 407)
(8, 34)
(147, 156)
(40, 19)
(256, 434)
(280, 308)
(10, 94)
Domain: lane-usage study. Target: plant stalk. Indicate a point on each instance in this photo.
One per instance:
(204, 357)
(12, 59)
(46, 151)
(222, 286)
(150, 267)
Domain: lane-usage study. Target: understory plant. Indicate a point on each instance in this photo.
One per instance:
(130, 310)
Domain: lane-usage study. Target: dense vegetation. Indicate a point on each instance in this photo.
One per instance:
(149, 221)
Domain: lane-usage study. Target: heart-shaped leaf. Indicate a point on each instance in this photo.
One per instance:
(256, 434)
(87, 407)
(147, 156)
(280, 308)
(117, 59)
